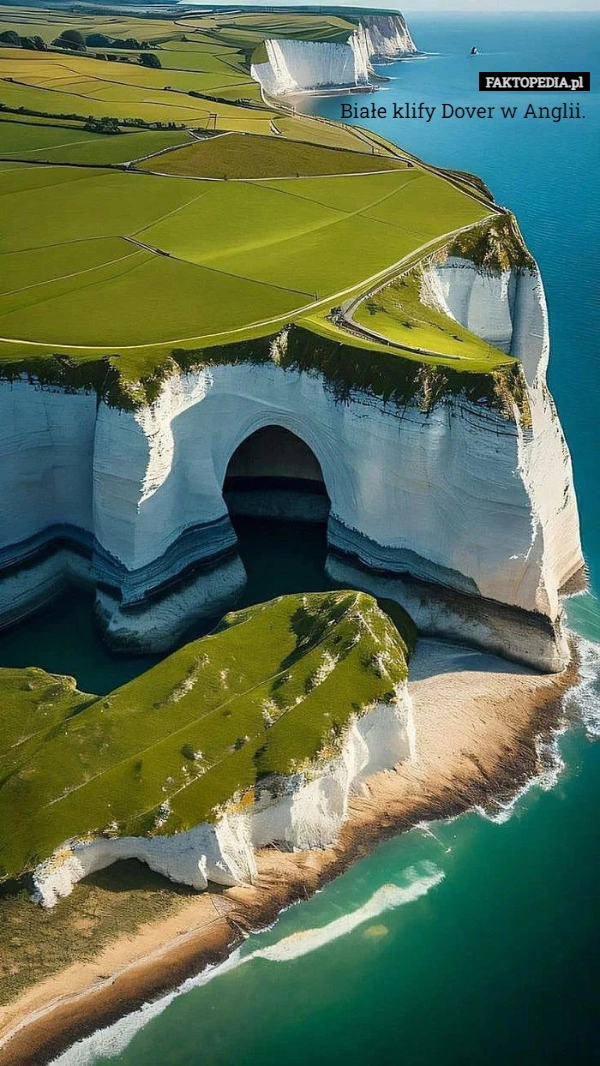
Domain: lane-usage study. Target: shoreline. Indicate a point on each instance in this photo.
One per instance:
(478, 719)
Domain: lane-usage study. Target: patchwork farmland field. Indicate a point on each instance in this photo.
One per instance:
(57, 144)
(205, 258)
(152, 200)
(238, 156)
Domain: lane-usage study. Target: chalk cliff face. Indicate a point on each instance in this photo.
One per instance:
(300, 66)
(509, 309)
(302, 811)
(467, 513)
(464, 513)
(387, 36)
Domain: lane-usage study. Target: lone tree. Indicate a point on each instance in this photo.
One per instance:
(71, 39)
(149, 59)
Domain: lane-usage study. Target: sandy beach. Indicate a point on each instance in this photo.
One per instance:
(477, 718)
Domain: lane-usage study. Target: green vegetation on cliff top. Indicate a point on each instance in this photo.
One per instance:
(110, 271)
(271, 691)
(399, 312)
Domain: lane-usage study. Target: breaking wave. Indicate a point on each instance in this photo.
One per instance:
(580, 703)
(550, 763)
(106, 1044)
(420, 879)
(584, 698)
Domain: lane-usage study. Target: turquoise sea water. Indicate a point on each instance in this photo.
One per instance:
(486, 952)
(279, 558)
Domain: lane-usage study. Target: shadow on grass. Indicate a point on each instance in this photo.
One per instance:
(13, 888)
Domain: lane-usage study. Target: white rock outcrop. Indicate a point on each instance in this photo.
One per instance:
(509, 310)
(476, 505)
(307, 811)
(303, 66)
(387, 36)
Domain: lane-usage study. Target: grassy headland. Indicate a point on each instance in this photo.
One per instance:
(267, 694)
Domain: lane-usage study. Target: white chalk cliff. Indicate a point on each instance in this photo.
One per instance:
(387, 36)
(307, 812)
(462, 514)
(294, 66)
(509, 310)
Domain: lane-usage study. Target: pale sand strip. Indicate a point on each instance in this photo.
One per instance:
(476, 720)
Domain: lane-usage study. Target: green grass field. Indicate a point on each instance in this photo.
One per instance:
(236, 255)
(112, 278)
(56, 144)
(80, 85)
(219, 241)
(269, 692)
(238, 156)
(321, 131)
(398, 313)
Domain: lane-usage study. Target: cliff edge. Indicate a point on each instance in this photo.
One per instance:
(254, 735)
(285, 66)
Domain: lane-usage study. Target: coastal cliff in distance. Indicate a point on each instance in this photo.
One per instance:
(284, 66)
(387, 36)
(215, 307)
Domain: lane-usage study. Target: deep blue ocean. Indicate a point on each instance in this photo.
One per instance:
(487, 951)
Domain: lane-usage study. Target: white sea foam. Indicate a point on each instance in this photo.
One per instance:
(582, 701)
(550, 766)
(584, 698)
(419, 880)
(110, 1042)
(106, 1044)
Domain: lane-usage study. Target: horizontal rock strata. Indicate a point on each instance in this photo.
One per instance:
(472, 497)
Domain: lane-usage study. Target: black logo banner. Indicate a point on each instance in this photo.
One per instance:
(540, 81)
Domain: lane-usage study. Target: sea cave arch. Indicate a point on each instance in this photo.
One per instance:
(274, 473)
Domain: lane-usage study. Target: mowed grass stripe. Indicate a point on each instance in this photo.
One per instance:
(246, 157)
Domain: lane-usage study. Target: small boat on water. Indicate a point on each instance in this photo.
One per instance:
(474, 51)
